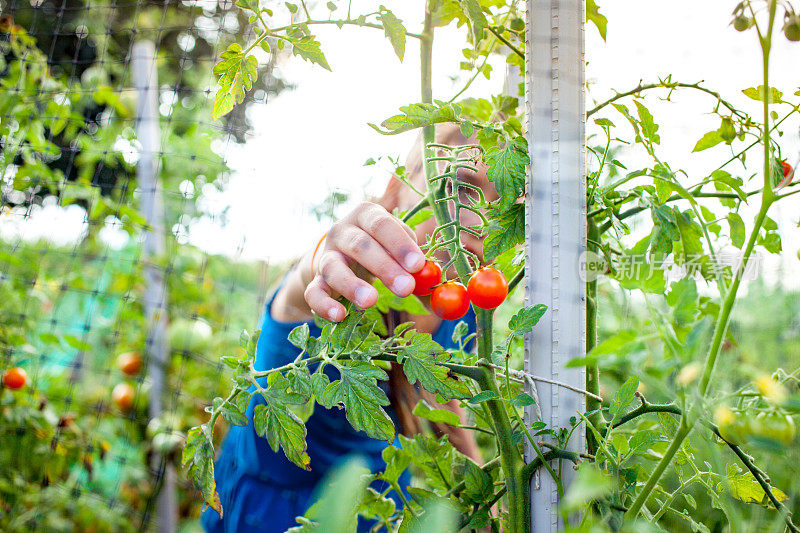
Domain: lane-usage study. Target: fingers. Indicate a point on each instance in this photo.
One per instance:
(392, 234)
(380, 243)
(318, 297)
(361, 247)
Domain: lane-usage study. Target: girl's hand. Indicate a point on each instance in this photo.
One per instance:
(366, 244)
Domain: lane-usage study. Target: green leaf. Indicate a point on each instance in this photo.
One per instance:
(77, 343)
(309, 49)
(422, 358)
(684, 300)
(505, 231)
(300, 379)
(376, 506)
(643, 439)
(395, 31)
(618, 344)
(389, 300)
(363, 400)
(623, 397)
(737, 229)
(690, 234)
(594, 16)
(396, 462)
(710, 139)
(440, 416)
(744, 487)
(198, 453)
(48, 338)
(507, 170)
(233, 415)
(477, 483)
(283, 429)
(526, 318)
(238, 72)
(417, 116)
(522, 400)
(757, 93)
(482, 397)
(474, 12)
(649, 127)
(299, 336)
(280, 425)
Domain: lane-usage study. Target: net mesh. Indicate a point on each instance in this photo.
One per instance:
(78, 441)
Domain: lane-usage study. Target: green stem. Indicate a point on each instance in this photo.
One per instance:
(592, 370)
(683, 431)
(422, 204)
(671, 86)
(506, 42)
(345, 22)
(510, 458)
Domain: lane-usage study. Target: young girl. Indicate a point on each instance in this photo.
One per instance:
(261, 490)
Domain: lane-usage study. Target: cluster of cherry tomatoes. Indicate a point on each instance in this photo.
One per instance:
(130, 363)
(487, 288)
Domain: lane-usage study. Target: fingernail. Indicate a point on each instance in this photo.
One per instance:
(334, 314)
(402, 285)
(362, 294)
(414, 261)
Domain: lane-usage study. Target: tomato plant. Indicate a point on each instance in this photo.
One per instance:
(642, 455)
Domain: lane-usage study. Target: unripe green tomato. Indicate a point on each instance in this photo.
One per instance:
(775, 426)
(517, 24)
(733, 427)
(742, 23)
(189, 335)
(791, 29)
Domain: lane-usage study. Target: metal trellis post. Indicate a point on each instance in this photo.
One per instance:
(555, 229)
(155, 296)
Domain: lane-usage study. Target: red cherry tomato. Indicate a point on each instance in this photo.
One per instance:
(487, 288)
(15, 378)
(787, 169)
(427, 278)
(449, 300)
(788, 174)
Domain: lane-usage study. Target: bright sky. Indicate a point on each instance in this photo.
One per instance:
(315, 138)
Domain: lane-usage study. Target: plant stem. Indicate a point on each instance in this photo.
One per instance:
(592, 370)
(506, 42)
(510, 458)
(422, 204)
(671, 86)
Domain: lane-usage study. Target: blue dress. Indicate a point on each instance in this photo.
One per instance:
(263, 491)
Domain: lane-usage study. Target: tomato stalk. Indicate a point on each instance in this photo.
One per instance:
(721, 328)
(592, 371)
(510, 458)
